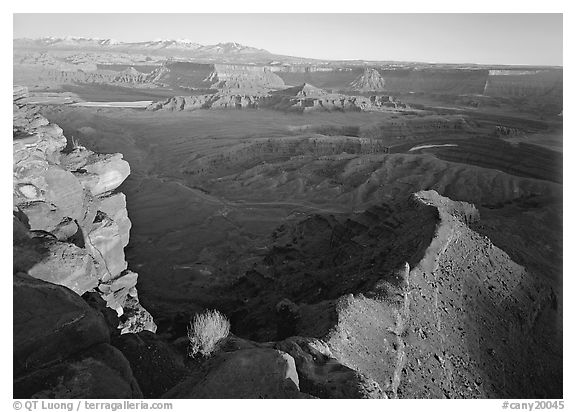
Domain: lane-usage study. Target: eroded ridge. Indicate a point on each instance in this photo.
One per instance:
(432, 310)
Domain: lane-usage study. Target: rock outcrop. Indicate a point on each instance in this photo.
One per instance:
(490, 309)
(369, 81)
(62, 346)
(303, 98)
(19, 92)
(505, 131)
(244, 78)
(310, 98)
(297, 367)
(156, 364)
(69, 233)
(254, 373)
(221, 100)
(304, 90)
(71, 227)
(322, 376)
(72, 75)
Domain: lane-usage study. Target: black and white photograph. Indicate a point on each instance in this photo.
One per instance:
(286, 206)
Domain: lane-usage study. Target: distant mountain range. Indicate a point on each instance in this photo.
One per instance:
(84, 42)
(168, 48)
(230, 52)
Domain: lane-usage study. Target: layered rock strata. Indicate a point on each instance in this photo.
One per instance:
(244, 77)
(302, 98)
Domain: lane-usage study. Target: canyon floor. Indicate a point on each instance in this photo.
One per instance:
(238, 210)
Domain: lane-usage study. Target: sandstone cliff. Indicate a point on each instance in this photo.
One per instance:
(244, 77)
(220, 100)
(303, 98)
(72, 224)
(129, 77)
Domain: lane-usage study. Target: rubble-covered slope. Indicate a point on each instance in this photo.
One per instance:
(410, 296)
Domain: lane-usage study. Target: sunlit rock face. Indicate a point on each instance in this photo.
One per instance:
(72, 226)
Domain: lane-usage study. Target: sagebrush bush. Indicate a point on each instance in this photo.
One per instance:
(76, 144)
(205, 331)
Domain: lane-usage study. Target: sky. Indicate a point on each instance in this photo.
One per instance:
(528, 39)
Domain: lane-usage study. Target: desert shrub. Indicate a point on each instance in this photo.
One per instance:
(205, 331)
(73, 144)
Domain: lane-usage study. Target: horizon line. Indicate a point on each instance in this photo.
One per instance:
(283, 55)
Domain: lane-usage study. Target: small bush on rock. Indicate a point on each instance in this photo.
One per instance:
(76, 144)
(205, 331)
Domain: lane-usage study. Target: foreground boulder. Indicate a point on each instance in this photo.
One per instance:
(101, 372)
(296, 367)
(322, 376)
(252, 373)
(51, 323)
(61, 346)
(156, 365)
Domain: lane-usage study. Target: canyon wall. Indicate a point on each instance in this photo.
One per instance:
(326, 78)
(72, 225)
(458, 81)
(435, 81)
(184, 74)
(515, 83)
(281, 100)
(70, 230)
(245, 77)
(34, 75)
